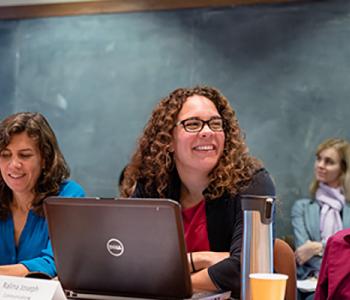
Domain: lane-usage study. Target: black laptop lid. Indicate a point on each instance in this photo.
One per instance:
(131, 247)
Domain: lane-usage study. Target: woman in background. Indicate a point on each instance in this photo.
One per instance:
(328, 211)
(192, 150)
(32, 168)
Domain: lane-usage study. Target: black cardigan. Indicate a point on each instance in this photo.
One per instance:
(224, 226)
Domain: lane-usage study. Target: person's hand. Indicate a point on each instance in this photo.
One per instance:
(202, 260)
(205, 259)
(14, 270)
(306, 251)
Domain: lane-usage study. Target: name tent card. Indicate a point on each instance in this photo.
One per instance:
(21, 288)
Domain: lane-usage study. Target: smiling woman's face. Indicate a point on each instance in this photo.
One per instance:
(21, 164)
(197, 151)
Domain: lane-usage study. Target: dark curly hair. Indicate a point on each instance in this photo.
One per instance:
(152, 163)
(55, 170)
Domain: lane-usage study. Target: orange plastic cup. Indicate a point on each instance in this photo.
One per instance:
(268, 286)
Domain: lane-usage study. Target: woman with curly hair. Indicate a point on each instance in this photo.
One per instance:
(32, 168)
(192, 150)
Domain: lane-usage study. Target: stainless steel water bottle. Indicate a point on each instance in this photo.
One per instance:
(257, 252)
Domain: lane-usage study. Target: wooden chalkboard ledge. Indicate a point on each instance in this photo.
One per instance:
(112, 6)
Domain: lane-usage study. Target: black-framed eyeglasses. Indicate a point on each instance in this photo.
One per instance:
(196, 125)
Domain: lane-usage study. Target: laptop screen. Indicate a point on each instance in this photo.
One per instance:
(128, 247)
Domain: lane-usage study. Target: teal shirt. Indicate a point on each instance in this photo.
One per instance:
(34, 248)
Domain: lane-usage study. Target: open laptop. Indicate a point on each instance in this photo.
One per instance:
(120, 247)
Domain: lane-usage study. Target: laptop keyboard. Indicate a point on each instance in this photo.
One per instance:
(207, 295)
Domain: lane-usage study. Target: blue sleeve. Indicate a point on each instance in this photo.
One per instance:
(70, 188)
(298, 223)
(44, 263)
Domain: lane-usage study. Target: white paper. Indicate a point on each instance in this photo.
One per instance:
(21, 288)
(307, 285)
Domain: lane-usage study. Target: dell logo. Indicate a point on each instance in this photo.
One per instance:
(115, 247)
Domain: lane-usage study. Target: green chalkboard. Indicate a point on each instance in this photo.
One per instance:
(284, 67)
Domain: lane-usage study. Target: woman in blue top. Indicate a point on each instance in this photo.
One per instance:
(32, 168)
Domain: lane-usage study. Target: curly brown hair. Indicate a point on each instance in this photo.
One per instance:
(55, 169)
(152, 163)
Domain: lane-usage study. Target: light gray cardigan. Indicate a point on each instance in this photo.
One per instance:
(306, 226)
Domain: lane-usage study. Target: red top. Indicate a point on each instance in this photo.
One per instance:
(195, 227)
(334, 278)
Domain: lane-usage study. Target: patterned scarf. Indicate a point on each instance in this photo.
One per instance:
(332, 202)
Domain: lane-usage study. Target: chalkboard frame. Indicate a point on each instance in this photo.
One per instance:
(113, 6)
